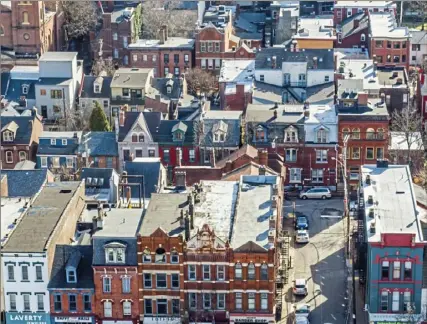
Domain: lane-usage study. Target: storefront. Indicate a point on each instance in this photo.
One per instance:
(252, 319)
(162, 320)
(27, 318)
(73, 319)
(379, 318)
(117, 322)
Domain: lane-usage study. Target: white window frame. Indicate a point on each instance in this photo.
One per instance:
(64, 141)
(147, 280)
(321, 156)
(349, 12)
(207, 298)
(316, 174)
(10, 274)
(264, 301)
(115, 36)
(220, 301)
(397, 267)
(8, 136)
(9, 157)
(362, 37)
(146, 301)
(220, 272)
(26, 300)
(175, 255)
(70, 161)
(239, 300)
(395, 301)
(206, 274)
(291, 135)
(135, 57)
(12, 302)
(56, 163)
(172, 280)
(295, 175)
(192, 155)
(322, 136)
(157, 280)
(126, 286)
(127, 308)
(108, 309)
(293, 155)
(106, 284)
(192, 300)
(251, 301)
(40, 302)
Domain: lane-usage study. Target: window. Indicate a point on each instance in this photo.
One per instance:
(384, 301)
(321, 156)
(264, 272)
(126, 285)
(378, 44)
(388, 58)
(210, 47)
(202, 47)
(388, 44)
(407, 274)
(264, 301)
(10, 273)
(162, 306)
(160, 256)
(217, 47)
(87, 303)
(407, 301)
(217, 64)
(154, 58)
(385, 268)
(134, 138)
(26, 299)
(295, 175)
(8, 136)
(355, 153)
(105, 103)
(317, 175)
(135, 57)
(380, 153)
(161, 281)
(220, 272)
(370, 133)
(9, 157)
(251, 301)
(362, 37)
(238, 271)
(56, 94)
(203, 63)
(174, 257)
(220, 299)
(69, 162)
(166, 156)
(291, 135)
(176, 58)
(291, 155)
(175, 307)
(109, 162)
(106, 284)
(396, 59)
(395, 301)
(349, 12)
(115, 255)
(166, 58)
(345, 132)
(192, 155)
(403, 58)
(72, 303)
(210, 64)
(12, 302)
(370, 153)
(108, 309)
(251, 271)
(176, 72)
(355, 133)
(115, 36)
(24, 271)
(192, 300)
(55, 162)
(71, 276)
(146, 257)
(206, 272)
(39, 276)
(116, 53)
(326, 78)
(396, 270)
(186, 58)
(206, 301)
(25, 17)
(239, 300)
(175, 280)
(42, 92)
(147, 280)
(261, 77)
(416, 47)
(57, 302)
(125, 41)
(148, 306)
(127, 308)
(322, 136)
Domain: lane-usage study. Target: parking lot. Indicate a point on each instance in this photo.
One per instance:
(321, 261)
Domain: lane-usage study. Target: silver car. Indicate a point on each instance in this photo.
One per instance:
(319, 193)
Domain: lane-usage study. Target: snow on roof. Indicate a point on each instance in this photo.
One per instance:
(322, 114)
(315, 27)
(237, 71)
(383, 24)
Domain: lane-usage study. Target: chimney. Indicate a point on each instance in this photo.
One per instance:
(382, 96)
(186, 228)
(274, 202)
(100, 218)
(213, 162)
(271, 235)
(263, 157)
(122, 117)
(180, 179)
(362, 98)
(261, 170)
(178, 156)
(163, 34)
(272, 222)
(315, 62)
(306, 109)
(356, 23)
(228, 167)
(182, 219)
(273, 62)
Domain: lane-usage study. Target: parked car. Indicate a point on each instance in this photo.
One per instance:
(302, 236)
(300, 287)
(302, 313)
(319, 193)
(301, 223)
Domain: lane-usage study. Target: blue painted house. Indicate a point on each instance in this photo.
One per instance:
(393, 244)
(59, 150)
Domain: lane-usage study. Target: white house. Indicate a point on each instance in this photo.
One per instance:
(286, 67)
(418, 47)
(321, 125)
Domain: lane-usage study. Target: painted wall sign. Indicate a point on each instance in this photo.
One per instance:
(66, 319)
(32, 318)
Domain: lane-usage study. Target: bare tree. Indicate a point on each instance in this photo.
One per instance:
(80, 17)
(411, 316)
(104, 67)
(200, 82)
(156, 13)
(68, 117)
(420, 7)
(408, 122)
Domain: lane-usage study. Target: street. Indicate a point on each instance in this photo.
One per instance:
(321, 261)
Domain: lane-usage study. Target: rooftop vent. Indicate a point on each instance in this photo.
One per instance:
(370, 199)
(400, 192)
(368, 179)
(372, 228)
(371, 213)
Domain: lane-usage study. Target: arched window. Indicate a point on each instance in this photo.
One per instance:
(264, 271)
(345, 132)
(25, 18)
(260, 134)
(134, 138)
(380, 133)
(355, 134)
(238, 271)
(251, 271)
(370, 133)
(146, 256)
(1, 30)
(160, 255)
(362, 37)
(141, 138)
(22, 155)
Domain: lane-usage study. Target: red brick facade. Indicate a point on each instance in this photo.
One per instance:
(235, 101)
(390, 52)
(341, 13)
(65, 309)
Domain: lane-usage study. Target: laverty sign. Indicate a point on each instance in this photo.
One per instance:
(35, 318)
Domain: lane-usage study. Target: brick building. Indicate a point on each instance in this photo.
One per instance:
(195, 265)
(353, 31)
(115, 265)
(346, 9)
(165, 55)
(389, 45)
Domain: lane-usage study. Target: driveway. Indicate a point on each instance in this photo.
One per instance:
(322, 261)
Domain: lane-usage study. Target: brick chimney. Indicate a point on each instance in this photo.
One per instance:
(356, 23)
(228, 166)
(263, 157)
(178, 156)
(362, 98)
(122, 116)
(163, 34)
(181, 179)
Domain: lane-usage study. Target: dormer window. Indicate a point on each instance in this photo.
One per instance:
(96, 88)
(219, 137)
(71, 275)
(322, 136)
(64, 142)
(260, 135)
(52, 141)
(169, 89)
(25, 89)
(219, 132)
(177, 136)
(115, 253)
(8, 136)
(291, 135)
(146, 256)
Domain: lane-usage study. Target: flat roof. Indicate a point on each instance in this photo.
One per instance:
(395, 205)
(319, 27)
(388, 78)
(364, 4)
(383, 25)
(11, 210)
(120, 222)
(37, 225)
(237, 71)
(253, 211)
(58, 56)
(130, 77)
(222, 114)
(322, 114)
(171, 42)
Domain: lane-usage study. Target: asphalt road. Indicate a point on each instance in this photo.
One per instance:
(322, 261)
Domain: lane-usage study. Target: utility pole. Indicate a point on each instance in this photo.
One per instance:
(346, 196)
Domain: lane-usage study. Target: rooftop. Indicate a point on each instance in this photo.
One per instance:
(171, 42)
(383, 25)
(320, 27)
(374, 109)
(221, 114)
(322, 114)
(25, 183)
(11, 210)
(120, 223)
(237, 71)
(392, 78)
(58, 56)
(41, 218)
(130, 77)
(364, 4)
(395, 206)
(265, 113)
(419, 37)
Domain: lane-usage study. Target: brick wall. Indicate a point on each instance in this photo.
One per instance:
(384, 51)
(102, 161)
(65, 303)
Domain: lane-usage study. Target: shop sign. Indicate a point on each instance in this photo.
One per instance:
(80, 319)
(160, 319)
(389, 318)
(32, 318)
(249, 319)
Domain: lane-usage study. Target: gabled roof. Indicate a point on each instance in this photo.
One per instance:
(347, 26)
(250, 247)
(78, 256)
(88, 87)
(12, 126)
(152, 119)
(180, 126)
(25, 183)
(100, 144)
(24, 130)
(151, 172)
(246, 149)
(220, 126)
